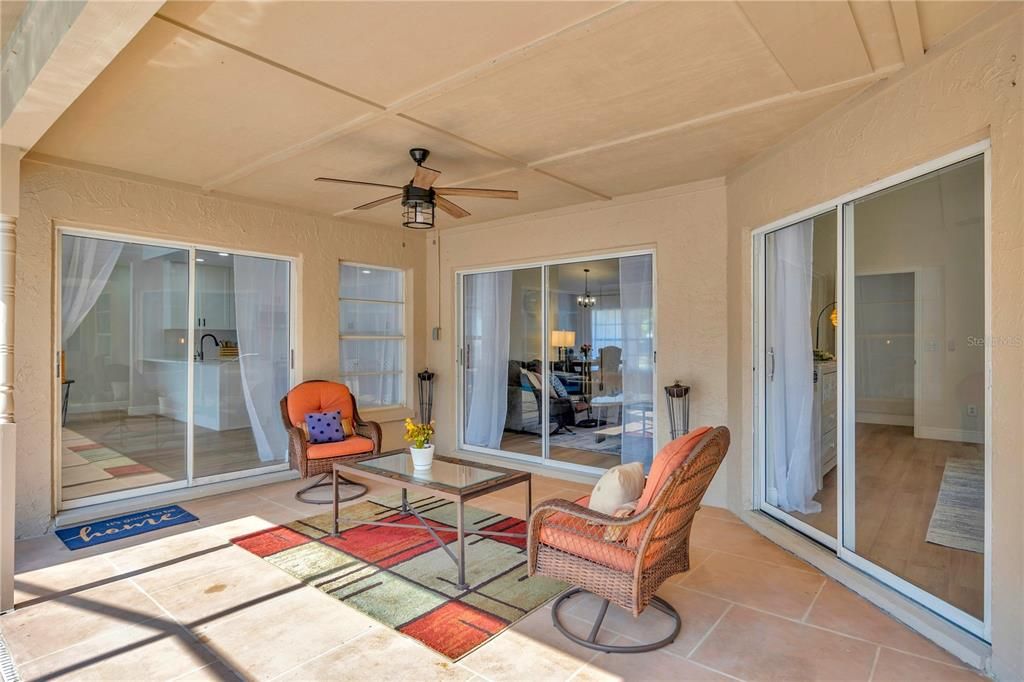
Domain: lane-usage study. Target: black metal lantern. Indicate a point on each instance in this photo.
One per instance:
(426, 387)
(418, 206)
(678, 397)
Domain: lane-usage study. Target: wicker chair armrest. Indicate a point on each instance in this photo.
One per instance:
(584, 516)
(549, 507)
(297, 444)
(370, 430)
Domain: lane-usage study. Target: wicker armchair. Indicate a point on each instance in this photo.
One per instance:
(318, 460)
(624, 561)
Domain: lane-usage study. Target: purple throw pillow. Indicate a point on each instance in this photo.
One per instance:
(324, 427)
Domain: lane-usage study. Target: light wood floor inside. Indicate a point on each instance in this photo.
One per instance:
(158, 443)
(530, 444)
(898, 479)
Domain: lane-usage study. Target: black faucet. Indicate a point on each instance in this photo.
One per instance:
(203, 338)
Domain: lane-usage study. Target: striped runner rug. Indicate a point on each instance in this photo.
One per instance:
(403, 579)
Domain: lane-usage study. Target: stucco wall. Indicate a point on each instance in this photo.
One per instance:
(51, 194)
(962, 93)
(685, 227)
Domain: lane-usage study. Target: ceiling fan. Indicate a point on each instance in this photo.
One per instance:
(419, 197)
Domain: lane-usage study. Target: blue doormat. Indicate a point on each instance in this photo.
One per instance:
(108, 530)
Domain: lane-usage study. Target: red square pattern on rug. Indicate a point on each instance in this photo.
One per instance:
(454, 628)
(390, 546)
(263, 543)
(508, 525)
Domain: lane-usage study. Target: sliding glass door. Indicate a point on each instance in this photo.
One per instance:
(558, 362)
(873, 440)
(915, 450)
(172, 361)
(242, 362)
(502, 351)
(800, 406)
(123, 367)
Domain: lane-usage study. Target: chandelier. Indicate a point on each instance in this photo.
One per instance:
(585, 300)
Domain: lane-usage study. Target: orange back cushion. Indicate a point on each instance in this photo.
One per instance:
(671, 457)
(318, 396)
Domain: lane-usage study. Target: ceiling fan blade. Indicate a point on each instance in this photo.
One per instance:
(425, 177)
(454, 210)
(474, 192)
(356, 182)
(379, 202)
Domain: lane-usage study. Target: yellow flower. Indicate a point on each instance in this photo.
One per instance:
(418, 434)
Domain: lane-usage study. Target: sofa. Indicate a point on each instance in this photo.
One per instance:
(523, 413)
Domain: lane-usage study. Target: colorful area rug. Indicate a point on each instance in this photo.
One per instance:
(403, 579)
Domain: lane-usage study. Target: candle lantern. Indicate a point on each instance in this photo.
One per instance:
(426, 386)
(678, 397)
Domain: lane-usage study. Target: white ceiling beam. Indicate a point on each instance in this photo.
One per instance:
(908, 28)
(799, 33)
(607, 17)
(723, 115)
(55, 52)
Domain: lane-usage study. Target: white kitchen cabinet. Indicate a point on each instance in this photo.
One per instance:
(175, 297)
(215, 297)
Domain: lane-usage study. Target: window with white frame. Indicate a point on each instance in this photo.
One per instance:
(371, 334)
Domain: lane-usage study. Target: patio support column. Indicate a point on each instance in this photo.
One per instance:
(10, 187)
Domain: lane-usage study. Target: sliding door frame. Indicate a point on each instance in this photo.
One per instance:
(759, 256)
(846, 445)
(77, 229)
(545, 457)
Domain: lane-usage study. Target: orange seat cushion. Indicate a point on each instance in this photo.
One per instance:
(670, 458)
(354, 445)
(574, 536)
(318, 396)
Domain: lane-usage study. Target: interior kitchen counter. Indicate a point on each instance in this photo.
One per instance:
(219, 403)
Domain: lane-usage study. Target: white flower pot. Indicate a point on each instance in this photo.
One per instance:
(422, 458)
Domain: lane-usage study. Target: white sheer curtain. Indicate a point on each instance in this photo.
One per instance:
(488, 313)
(636, 286)
(87, 264)
(791, 370)
(261, 317)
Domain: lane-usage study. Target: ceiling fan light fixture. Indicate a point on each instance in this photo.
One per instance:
(417, 207)
(419, 198)
(419, 216)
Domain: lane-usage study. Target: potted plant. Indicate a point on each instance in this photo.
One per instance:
(418, 436)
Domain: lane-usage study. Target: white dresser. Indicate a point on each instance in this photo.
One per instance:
(825, 411)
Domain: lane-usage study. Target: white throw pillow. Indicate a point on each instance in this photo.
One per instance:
(619, 486)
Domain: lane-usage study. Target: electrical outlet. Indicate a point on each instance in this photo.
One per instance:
(972, 410)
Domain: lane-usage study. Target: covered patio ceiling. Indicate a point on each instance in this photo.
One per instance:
(566, 102)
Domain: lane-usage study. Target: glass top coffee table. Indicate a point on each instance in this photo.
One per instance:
(449, 478)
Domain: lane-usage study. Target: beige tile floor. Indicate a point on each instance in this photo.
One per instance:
(184, 603)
